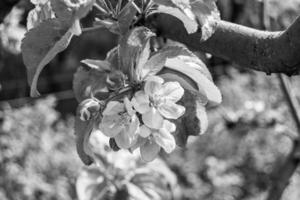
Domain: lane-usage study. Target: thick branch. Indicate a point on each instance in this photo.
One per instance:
(270, 52)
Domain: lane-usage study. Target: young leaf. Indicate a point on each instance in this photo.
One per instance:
(126, 17)
(109, 24)
(41, 45)
(83, 130)
(62, 9)
(191, 70)
(131, 47)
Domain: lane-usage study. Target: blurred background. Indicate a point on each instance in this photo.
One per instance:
(249, 134)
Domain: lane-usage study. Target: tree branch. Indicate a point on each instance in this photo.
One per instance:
(270, 52)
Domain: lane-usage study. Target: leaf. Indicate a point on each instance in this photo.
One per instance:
(193, 71)
(206, 13)
(63, 9)
(91, 184)
(109, 24)
(158, 60)
(89, 82)
(126, 16)
(83, 130)
(136, 193)
(190, 25)
(155, 180)
(194, 14)
(194, 121)
(113, 58)
(41, 45)
(131, 46)
(100, 65)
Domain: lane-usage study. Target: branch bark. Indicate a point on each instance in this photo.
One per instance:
(270, 52)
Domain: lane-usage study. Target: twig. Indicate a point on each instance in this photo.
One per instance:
(282, 174)
(90, 29)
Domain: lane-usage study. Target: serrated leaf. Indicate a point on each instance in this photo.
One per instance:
(194, 121)
(41, 45)
(212, 92)
(131, 47)
(126, 16)
(83, 130)
(88, 83)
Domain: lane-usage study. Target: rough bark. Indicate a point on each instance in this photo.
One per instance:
(270, 52)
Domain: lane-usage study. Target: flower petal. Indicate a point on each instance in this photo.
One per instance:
(110, 125)
(170, 110)
(153, 85)
(113, 107)
(140, 141)
(172, 91)
(128, 106)
(141, 102)
(153, 119)
(169, 126)
(149, 151)
(144, 131)
(124, 140)
(133, 126)
(165, 139)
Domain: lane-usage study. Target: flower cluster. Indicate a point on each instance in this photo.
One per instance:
(144, 120)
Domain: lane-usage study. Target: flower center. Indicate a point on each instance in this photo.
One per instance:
(125, 118)
(156, 100)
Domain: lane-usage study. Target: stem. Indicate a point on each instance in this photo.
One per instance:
(90, 29)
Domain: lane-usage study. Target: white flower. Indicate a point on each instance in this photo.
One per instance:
(155, 139)
(158, 101)
(120, 122)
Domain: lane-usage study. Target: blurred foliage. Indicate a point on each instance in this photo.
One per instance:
(123, 175)
(37, 154)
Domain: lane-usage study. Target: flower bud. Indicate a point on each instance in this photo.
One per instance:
(88, 109)
(115, 80)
